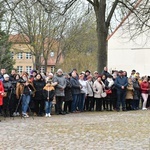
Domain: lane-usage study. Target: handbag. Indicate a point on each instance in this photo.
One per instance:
(109, 91)
(103, 94)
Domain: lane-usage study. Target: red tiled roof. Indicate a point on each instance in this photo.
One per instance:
(18, 38)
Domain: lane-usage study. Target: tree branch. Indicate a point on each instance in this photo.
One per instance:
(91, 2)
(111, 12)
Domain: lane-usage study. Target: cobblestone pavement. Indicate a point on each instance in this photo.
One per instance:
(80, 131)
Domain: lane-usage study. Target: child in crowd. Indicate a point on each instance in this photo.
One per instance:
(48, 93)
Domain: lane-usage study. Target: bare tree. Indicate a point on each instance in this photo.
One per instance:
(106, 11)
(38, 27)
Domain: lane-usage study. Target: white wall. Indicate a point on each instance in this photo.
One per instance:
(127, 54)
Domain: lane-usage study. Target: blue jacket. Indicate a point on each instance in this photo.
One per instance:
(121, 81)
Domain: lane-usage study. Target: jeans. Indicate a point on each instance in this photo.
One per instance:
(81, 101)
(121, 94)
(48, 105)
(74, 102)
(25, 102)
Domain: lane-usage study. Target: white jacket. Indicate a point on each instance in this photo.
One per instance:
(98, 89)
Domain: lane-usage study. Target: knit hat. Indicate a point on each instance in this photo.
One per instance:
(6, 76)
(50, 74)
(59, 70)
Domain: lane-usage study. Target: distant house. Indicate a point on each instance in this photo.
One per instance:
(21, 52)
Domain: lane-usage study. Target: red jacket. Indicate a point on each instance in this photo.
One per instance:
(144, 87)
(1, 91)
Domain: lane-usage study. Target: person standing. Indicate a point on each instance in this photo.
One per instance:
(144, 92)
(121, 84)
(83, 92)
(59, 90)
(129, 95)
(25, 90)
(76, 88)
(136, 93)
(68, 95)
(98, 88)
(109, 85)
(89, 101)
(7, 100)
(39, 84)
(48, 94)
(1, 96)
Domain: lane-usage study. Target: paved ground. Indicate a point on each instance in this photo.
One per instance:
(82, 131)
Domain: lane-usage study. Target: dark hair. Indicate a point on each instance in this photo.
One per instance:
(40, 76)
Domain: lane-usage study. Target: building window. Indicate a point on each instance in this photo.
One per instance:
(12, 55)
(52, 68)
(28, 55)
(42, 69)
(28, 69)
(19, 55)
(19, 68)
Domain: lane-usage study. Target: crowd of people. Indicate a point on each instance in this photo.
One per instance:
(72, 92)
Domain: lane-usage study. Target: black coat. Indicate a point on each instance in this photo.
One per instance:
(68, 91)
(49, 94)
(38, 85)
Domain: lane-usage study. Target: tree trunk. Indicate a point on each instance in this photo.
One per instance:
(45, 64)
(102, 33)
(37, 62)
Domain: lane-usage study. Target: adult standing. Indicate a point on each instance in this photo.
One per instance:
(1, 96)
(89, 101)
(121, 84)
(39, 102)
(136, 93)
(83, 92)
(109, 85)
(60, 90)
(68, 95)
(144, 91)
(76, 88)
(25, 90)
(7, 103)
(98, 87)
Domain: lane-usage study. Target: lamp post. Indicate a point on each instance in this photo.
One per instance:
(52, 54)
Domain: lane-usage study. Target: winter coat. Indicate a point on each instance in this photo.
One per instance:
(60, 87)
(106, 73)
(84, 86)
(136, 92)
(90, 91)
(98, 89)
(121, 81)
(68, 91)
(144, 87)
(22, 89)
(48, 92)
(1, 91)
(130, 89)
(75, 85)
(38, 85)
